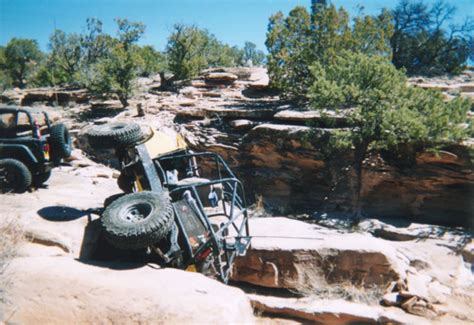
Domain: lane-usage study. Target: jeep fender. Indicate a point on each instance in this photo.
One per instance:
(18, 151)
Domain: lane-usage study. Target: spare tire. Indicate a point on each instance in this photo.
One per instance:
(60, 142)
(114, 135)
(14, 176)
(138, 220)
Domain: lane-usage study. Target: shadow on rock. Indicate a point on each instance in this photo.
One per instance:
(62, 213)
(97, 251)
(113, 265)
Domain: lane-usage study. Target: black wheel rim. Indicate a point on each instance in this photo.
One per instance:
(137, 212)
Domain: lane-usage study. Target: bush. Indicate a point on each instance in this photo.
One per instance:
(384, 111)
(302, 38)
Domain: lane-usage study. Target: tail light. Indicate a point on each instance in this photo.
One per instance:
(46, 148)
(204, 254)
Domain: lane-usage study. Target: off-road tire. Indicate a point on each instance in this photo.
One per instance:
(14, 176)
(40, 179)
(109, 200)
(138, 220)
(60, 142)
(114, 135)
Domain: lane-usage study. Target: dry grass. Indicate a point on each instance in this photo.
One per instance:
(313, 283)
(258, 210)
(11, 234)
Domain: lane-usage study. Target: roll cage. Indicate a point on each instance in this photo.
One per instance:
(221, 231)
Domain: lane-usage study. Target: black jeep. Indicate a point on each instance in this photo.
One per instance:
(29, 147)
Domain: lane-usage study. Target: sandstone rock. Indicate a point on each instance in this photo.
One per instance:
(58, 96)
(58, 216)
(242, 125)
(332, 311)
(46, 238)
(211, 94)
(189, 92)
(59, 290)
(220, 78)
(242, 73)
(467, 87)
(187, 104)
(303, 117)
(106, 104)
(290, 254)
(468, 252)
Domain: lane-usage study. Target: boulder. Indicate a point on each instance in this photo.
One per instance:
(61, 290)
(467, 252)
(242, 125)
(242, 73)
(224, 78)
(292, 254)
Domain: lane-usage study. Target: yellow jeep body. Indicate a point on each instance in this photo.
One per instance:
(161, 143)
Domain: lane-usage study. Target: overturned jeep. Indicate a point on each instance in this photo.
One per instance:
(185, 209)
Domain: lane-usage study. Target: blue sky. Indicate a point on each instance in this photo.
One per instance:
(232, 21)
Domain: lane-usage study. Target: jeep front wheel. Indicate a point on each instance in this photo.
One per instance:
(14, 176)
(138, 220)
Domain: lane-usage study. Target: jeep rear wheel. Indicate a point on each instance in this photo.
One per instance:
(14, 176)
(114, 135)
(60, 142)
(138, 220)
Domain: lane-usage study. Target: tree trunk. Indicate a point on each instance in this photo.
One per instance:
(360, 153)
(123, 100)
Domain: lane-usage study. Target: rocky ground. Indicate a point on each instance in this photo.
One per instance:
(313, 267)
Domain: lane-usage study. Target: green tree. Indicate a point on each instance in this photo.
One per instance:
(296, 41)
(94, 42)
(21, 56)
(152, 60)
(426, 41)
(116, 71)
(4, 79)
(66, 54)
(252, 55)
(384, 111)
(185, 49)
(191, 49)
(71, 56)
